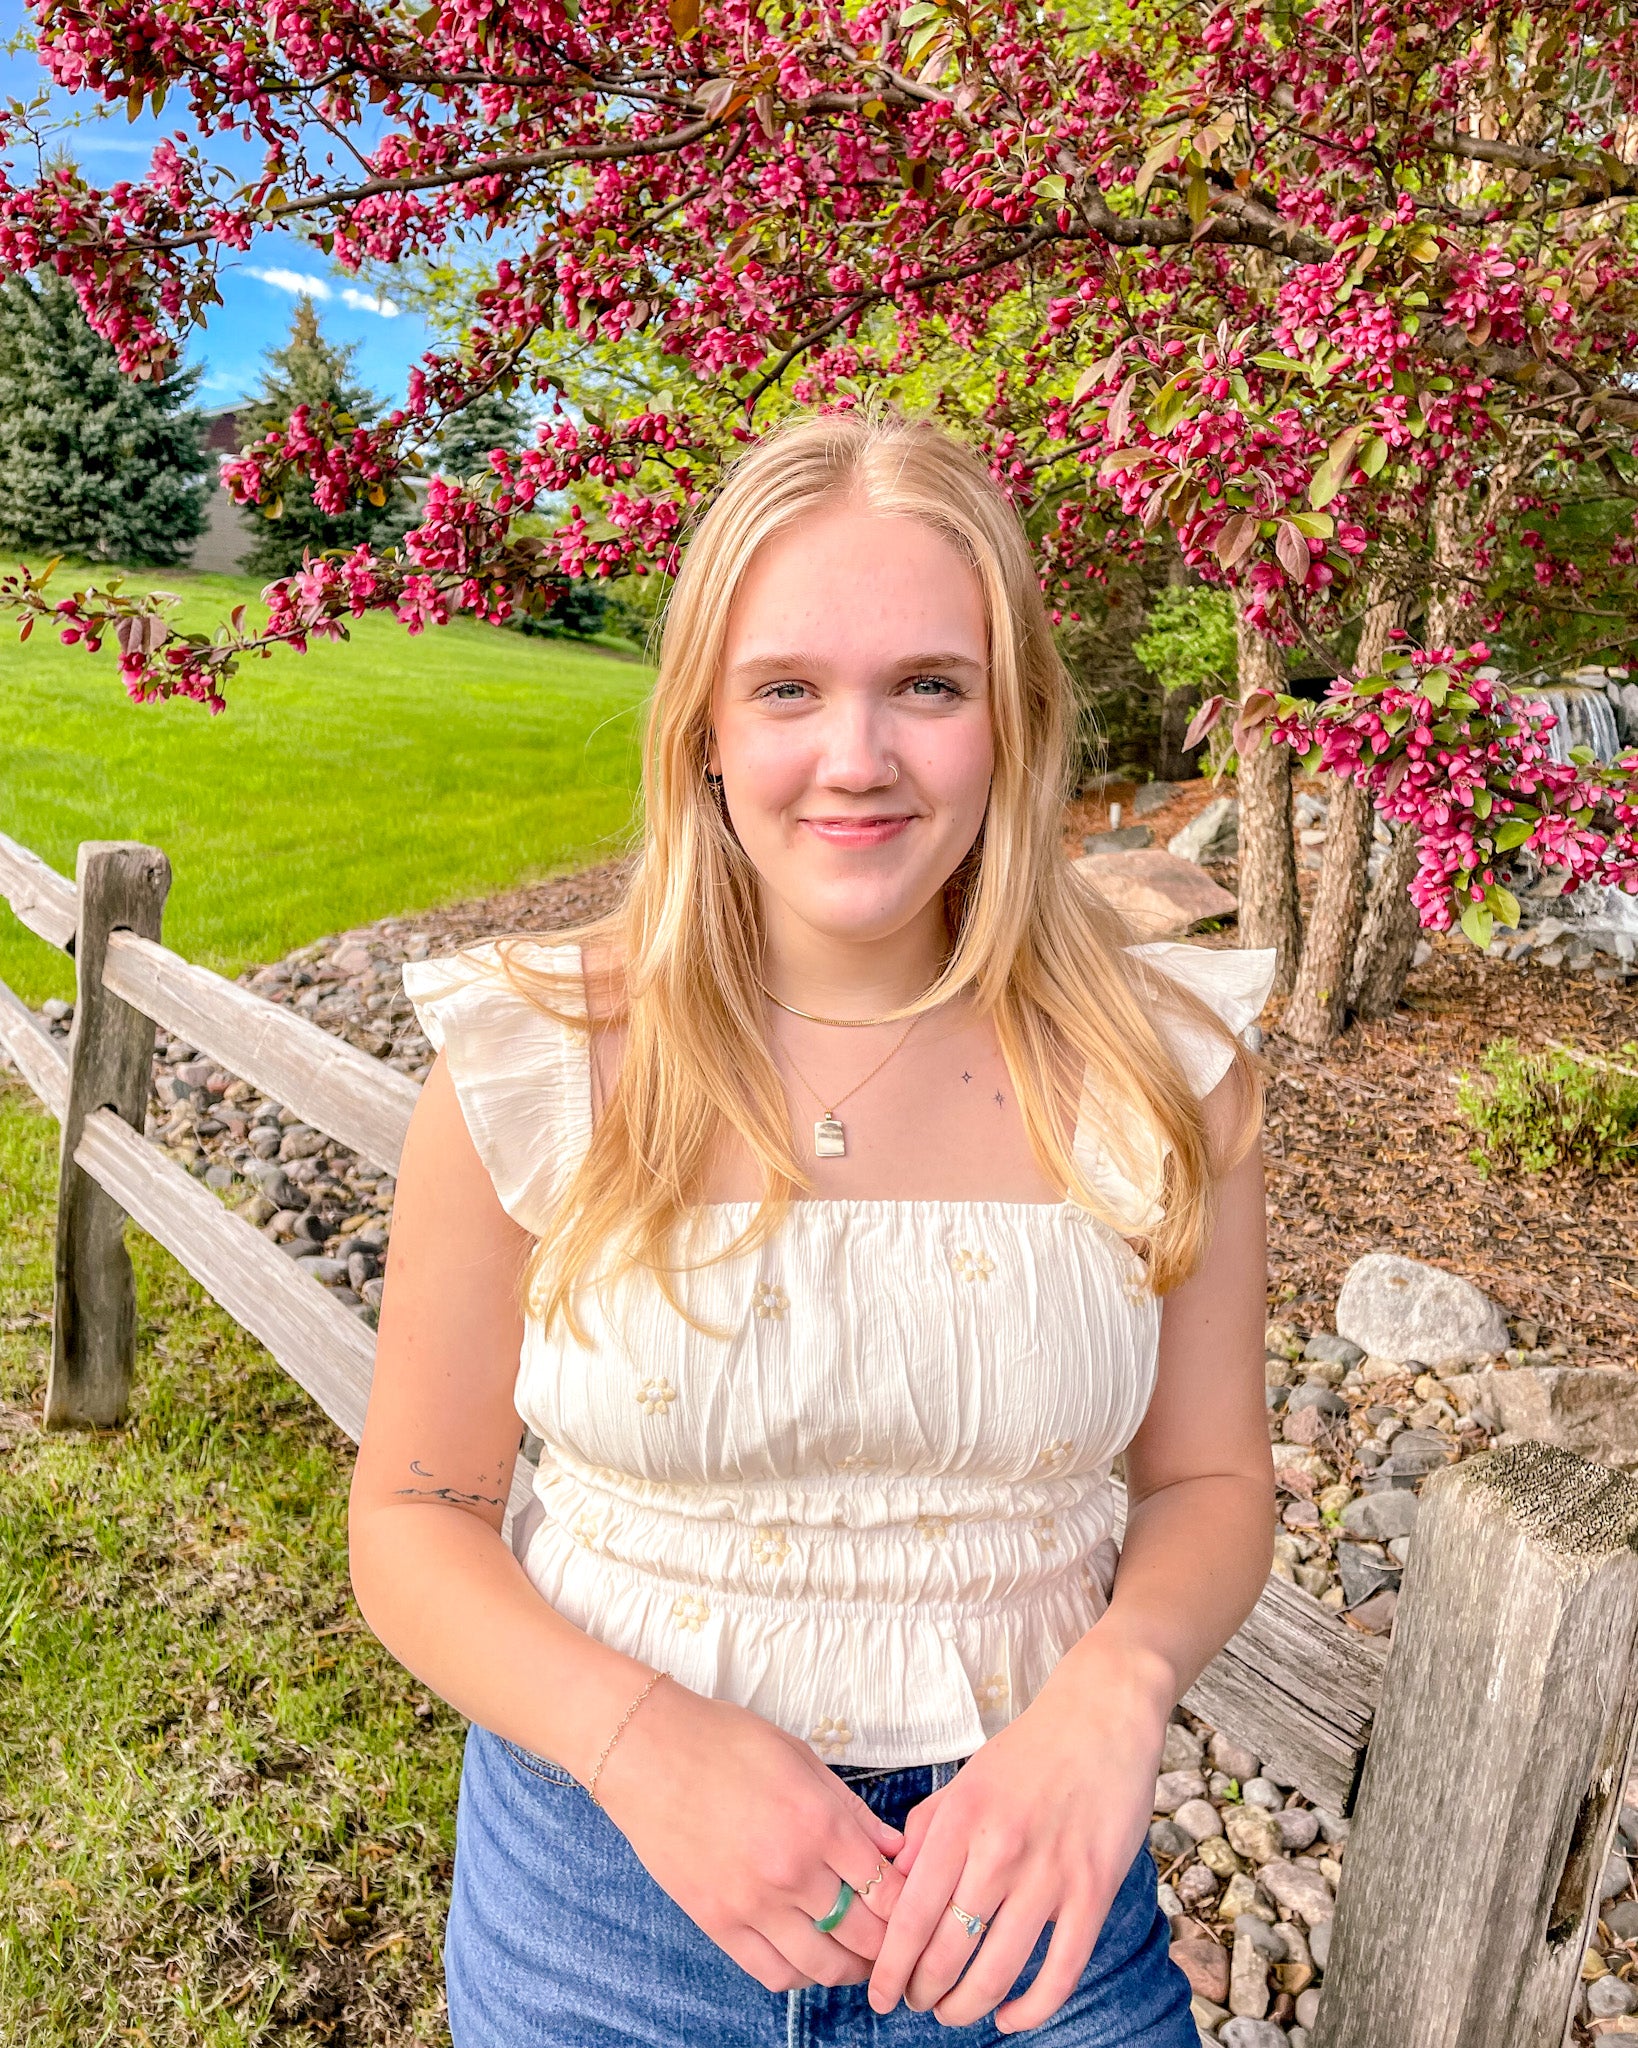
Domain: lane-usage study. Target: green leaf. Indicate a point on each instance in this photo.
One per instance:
(1372, 456)
(1054, 188)
(1479, 925)
(1482, 801)
(1333, 470)
(1504, 903)
(1315, 525)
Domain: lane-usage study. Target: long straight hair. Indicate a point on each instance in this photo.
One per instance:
(1039, 949)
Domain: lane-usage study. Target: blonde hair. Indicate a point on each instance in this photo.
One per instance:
(1042, 953)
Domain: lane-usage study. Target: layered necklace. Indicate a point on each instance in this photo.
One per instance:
(829, 1132)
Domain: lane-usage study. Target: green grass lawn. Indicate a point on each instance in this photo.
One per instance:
(364, 779)
(226, 1814)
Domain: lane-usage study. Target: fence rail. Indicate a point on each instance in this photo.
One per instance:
(1521, 1554)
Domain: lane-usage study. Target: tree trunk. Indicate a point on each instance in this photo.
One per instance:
(1175, 713)
(1388, 935)
(1268, 865)
(1319, 1000)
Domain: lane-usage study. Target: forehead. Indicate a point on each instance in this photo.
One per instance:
(845, 579)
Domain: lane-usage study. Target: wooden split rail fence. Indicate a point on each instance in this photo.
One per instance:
(1482, 1762)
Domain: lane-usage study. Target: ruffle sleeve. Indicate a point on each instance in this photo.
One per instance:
(522, 1078)
(1129, 1174)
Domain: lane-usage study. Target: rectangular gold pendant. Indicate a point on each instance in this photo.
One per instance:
(829, 1139)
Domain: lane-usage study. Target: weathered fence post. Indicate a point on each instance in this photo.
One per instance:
(1497, 1761)
(122, 886)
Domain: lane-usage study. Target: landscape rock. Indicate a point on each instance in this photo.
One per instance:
(1232, 1757)
(1381, 1517)
(1183, 1748)
(1300, 1888)
(1298, 1826)
(1327, 1346)
(1210, 837)
(1172, 1788)
(1199, 1819)
(1248, 2033)
(1159, 896)
(1589, 1409)
(1362, 1574)
(1206, 1965)
(1398, 1308)
(1119, 839)
(1605, 1998)
(1253, 1833)
(1248, 1979)
(1153, 796)
(1167, 1841)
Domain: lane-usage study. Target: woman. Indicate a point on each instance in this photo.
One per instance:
(854, 1194)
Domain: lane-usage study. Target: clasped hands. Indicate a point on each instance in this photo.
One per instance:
(1041, 1824)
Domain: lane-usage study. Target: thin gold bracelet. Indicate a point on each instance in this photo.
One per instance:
(591, 1782)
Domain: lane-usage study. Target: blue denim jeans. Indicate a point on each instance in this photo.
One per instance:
(559, 1938)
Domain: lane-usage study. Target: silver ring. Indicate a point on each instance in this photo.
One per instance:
(970, 1921)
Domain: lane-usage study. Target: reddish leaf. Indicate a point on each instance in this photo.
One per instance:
(1292, 551)
(1236, 538)
(1203, 721)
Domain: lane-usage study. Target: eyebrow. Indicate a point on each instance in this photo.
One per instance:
(781, 664)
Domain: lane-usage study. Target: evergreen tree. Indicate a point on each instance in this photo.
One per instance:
(310, 371)
(492, 420)
(91, 462)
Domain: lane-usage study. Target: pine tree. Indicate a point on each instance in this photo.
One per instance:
(310, 371)
(92, 462)
(492, 420)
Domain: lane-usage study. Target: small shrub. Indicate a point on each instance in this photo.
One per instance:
(1552, 1112)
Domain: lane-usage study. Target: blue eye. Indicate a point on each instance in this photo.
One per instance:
(941, 682)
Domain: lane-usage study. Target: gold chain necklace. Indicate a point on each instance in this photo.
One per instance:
(829, 1133)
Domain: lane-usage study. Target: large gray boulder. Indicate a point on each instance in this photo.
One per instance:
(1400, 1309)
(1213, 836)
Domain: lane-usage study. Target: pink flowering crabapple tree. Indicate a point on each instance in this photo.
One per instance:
(1336, 300)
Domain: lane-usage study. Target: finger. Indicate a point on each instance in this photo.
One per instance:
(874, 1877)
(822, 1957)
(915, 1918)
(1073, 1939)
(1005, 1952)
(861, 1926)
(761, 1959)
(916, 1823)
(951, 1946)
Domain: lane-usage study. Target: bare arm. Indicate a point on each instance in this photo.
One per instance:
(431, 1573)
(1199, 1473)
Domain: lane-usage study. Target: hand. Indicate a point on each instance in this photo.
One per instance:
(751, 1833)
(1041, 1824)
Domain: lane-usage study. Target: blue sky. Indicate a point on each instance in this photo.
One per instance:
(259, 288)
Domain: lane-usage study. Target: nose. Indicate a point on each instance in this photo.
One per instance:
(853, 753)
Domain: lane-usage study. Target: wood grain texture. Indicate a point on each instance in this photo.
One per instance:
(37, 1056)
(1494, 1777)
(329, 1083)
(326, 1349)
(42, 899)
(1296, 1685)
(110, 1066)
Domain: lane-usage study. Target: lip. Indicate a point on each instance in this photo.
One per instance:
(857, 831)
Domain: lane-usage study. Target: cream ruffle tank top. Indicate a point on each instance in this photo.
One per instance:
(880, 1511)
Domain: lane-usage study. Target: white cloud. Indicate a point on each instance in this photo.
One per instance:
(362, 302)
(321, 290)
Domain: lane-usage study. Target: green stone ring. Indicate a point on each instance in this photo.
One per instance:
(844, 1899)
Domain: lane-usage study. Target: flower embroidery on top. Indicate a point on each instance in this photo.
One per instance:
(856, 1458)
(587, 1526)
(656, 1396)
(1051, 1457)
(769, 1545)
(771, 1299)
(971, 1265)
(991, 1692)
(830, 1737)
(688, 1610)
(1044, 1529)
(932, 1528)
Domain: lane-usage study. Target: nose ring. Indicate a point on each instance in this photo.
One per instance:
(895, 774)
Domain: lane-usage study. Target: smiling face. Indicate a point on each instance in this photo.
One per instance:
(856, 644)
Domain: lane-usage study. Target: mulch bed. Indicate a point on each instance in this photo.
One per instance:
(1366, 1151)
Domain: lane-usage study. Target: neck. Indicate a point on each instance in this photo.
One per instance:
(842, 977)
